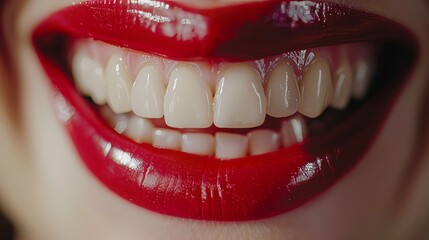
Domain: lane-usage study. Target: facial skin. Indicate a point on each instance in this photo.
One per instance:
(49, 194)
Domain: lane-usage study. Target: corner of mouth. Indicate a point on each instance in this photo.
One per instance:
(166, 179)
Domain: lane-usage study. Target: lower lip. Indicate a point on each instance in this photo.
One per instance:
(204, 188)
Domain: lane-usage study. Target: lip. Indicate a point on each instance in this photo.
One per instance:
(204, 188)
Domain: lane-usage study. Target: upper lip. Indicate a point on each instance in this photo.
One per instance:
(183, 33)
(183, 185)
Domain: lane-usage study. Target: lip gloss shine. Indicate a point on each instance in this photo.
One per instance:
(204, 188)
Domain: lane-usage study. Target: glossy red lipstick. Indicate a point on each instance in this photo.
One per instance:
(205, 188)
(265, 28)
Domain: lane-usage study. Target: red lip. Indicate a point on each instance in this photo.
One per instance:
(196, 187)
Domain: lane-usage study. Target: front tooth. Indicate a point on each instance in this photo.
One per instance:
(293, 131)
(282, 91)
(188, 101)
(240, 100)
(166, 138)
(263, 141)
(363, 74)
(147, 95)
(140, 129)
(342, 85)
(119, 85)
(83, 71)
(229, 146)
(316, 88)
(198, 143)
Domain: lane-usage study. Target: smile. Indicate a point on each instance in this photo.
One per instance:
(209, 114)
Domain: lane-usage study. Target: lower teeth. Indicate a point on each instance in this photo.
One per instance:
(222, 145)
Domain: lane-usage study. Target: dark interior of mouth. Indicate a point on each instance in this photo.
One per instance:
(393, 60)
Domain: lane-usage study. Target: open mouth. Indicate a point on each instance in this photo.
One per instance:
(212, 115)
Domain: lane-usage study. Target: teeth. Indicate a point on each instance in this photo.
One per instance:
(140, 129)
(263, 141)
(99, 86)
(342, 85)
(316, 88)
(363, 74)
(183, 96)
(89, 78)
(240, 100)
(119, 85)
(166, 138)
(282, 91)
(188, 101)
(229, 146)
(81, 63)
(293, 131)
(119, 123)
(147, 95)
(198, 143)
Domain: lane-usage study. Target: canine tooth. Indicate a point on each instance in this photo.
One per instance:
(81, 65)
(363, 74)
(119, 85)
(316, 88)
(140, 129)
(342, 86)
(263, 141)
(198, 143)
(188, 100)
(282, 91)
(293, 131)
(85, 70)
(147, 95)
(166, 138)
(99, 86)
(230, 145)
(240, 99)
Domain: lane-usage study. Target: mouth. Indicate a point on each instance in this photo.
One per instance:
(208, 114)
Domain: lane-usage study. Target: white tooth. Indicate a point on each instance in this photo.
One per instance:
(316, 88)
(282, 91)
(230, 145)
(188, 101)
(147, 95)
(79, 70)
(293, 131)
(119, 85)
(120, 123)
(99, 86)
(342, 85)
(363, 74)
(166, 138)
(198, 143)
(140, 129)
(240, 99)
(263, 141)
(85, 71)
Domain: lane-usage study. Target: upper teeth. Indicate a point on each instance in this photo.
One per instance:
(188, 101)
(246, 111)
(230, 95)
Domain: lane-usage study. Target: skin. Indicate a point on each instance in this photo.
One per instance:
(48, 193)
